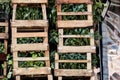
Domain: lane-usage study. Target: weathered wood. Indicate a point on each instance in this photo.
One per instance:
(31, 59)
(1, 77)
(30, 34)
(75, 36)
(73, 13)
(29, 23)
(74, 23)
(56, 61)
(59, 78)
(73, 61)
(3, 35)
(73, 1)
(70, 49)
(32, 71)
(4, 24)
(73, 72)
(50, 77)
(29, 1)
(89, 64)
(60, 39)
(29, 47)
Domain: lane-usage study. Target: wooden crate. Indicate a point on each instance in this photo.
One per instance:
(74, 23)
(30, 29)
(72, 72)
(4, 37)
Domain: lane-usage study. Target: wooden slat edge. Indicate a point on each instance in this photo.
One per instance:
(73, 1)
(29, 23)
(3, 36)
(74, 13)
(73, 72)
(74, 23)
(73, 61)
(31, 59)
(32, 71)
(29, 1)
(4, 24)
(75, 36)
(79, 49)
(29, 47)
(35, 34)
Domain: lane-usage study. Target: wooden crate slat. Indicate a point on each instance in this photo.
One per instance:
(73, 1)
(32, 34)
(4, 24)
(31, 59)
(75, 36)
(32, 71)
(1, 77)
(73, 13)
(29, 47)
(3, 35)
(29, 23)
(29, 1)
(80, 49)
(73, 61)
(74, 23)
(73, 72)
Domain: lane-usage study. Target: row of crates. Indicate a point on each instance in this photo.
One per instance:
(39, 29)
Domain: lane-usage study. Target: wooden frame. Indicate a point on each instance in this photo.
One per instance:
(4, 36)
(63, 24)
(74, 23)
(15, 47)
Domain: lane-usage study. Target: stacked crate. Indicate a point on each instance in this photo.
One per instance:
(72, 24)
(3, 40)
(30, 29)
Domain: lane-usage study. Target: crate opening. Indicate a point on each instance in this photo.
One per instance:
(29, 40)
(29, 13)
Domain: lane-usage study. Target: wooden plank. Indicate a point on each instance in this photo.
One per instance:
(89, 64)
(47, 55)
(89, 9)
(50, 77)
(59, 78)
(74, 23)
(32, 34)
(79, 49)
(73, 13)
(56, 61)
(3, 57)
(31, 59)
(73, 72)
(29, 47)
(44, 12)
(3, 36)
(60, 38)
(29, 1)
(4, 24)
(1, 77)
(32, 71)
(29, 23)
(14, 12)
(73, 61)
(75, 36)
(73, 1)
